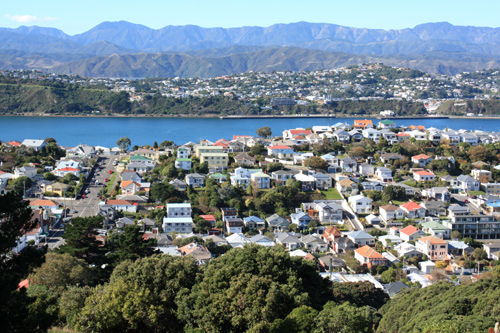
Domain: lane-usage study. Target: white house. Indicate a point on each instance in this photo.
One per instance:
(35, 144)
(361, 204)
(261, 179)
(421, 176)
(25, 171)
(181, 225)
(178, 210)
(391, 212)
(384, 174)
(183, 163)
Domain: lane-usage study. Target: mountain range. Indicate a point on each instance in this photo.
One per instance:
(124, 49)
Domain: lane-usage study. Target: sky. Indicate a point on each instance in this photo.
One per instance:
(74, 17)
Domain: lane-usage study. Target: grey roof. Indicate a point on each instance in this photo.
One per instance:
(276, 220)
(286, 237)
(258, 238)
(395, 287)
(433, 204)
(465, 178)
(360, 234)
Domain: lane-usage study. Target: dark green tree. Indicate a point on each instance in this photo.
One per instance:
(345, 318)
(163, 191)
(264, 132)
(141, 296)
(130, 245)
(80, 239)
(124, 143)
(252, 286)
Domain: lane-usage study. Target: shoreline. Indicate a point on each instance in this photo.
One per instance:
(222, 117)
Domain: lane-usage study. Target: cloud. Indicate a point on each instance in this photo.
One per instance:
(29, 18)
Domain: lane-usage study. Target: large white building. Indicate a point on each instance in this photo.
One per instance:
(178, 210)
(178, 224)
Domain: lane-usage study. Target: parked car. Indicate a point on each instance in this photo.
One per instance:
(106, 180)
(110, 171)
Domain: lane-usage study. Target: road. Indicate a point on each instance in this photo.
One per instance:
(84, 207)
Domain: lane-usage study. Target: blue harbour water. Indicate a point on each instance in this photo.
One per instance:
(104, 131)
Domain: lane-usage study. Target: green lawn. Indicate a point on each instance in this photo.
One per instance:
(111, 181)
(332, 194)
(409, 182)
(477, 193)
(397, 203)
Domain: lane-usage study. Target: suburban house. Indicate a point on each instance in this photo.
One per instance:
(360, 204)
(202, 149)
(261, 179)
(178, 210)
(484, 176)
(254, 222)
(314, 244)
(410, 233)
(281, 176)
(323, 181)
(467, 183)
(288, 240)
(391, 212)
(183, 163)
(129, 187)
(422, 176)
(384, 174)
(330, 235)
(363, 124)
(292, 133)
(361, 238)
(122, 205)
(342, 136)
(308, 182)
(434, 208)
(195, 180)
(372, 134)
(348, 164)
(366, 169)
(413, 210)
(436, 229)
(277, 223)
(262, 241)
(58, 188)
(244, 159)
(37, 145)
(215, 161)
(434, 247)
(67, 170)
(422, 160)
(301, 219)
(179, 185)
(326, 211)
(369, 257)
(391, 157)
(233, 225)
(407, 250)
(459, 248)
(25, 171)
(386, 123)
(238, 240)
(280, 151)
(438, 193)
(347, 187)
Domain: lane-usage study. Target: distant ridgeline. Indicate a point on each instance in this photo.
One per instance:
(57, 98)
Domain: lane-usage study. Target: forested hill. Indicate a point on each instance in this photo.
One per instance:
(57, 98)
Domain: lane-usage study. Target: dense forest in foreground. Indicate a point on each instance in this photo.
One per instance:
(126, 286)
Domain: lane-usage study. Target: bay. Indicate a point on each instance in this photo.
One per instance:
(104, 131)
